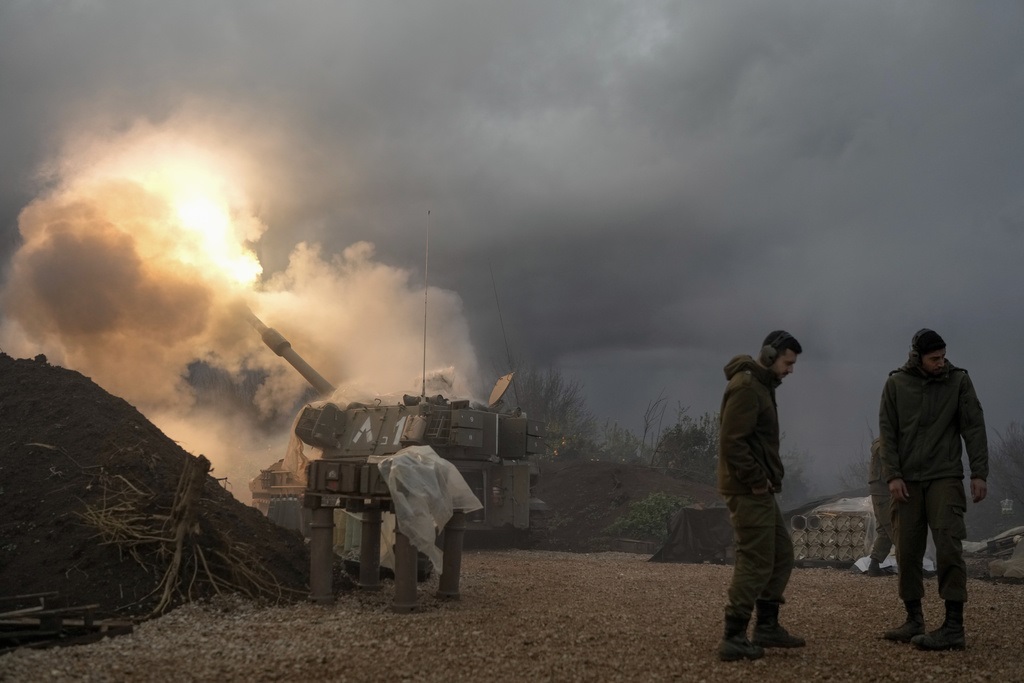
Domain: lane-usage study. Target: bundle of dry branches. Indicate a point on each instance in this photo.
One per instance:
(193, 559)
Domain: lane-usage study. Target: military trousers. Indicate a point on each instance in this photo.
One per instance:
(764, 553)
(939, 505)
(881, 504)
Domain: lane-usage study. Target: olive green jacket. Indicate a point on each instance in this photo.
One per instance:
(922, 421)
(877, 485)
(748, 438)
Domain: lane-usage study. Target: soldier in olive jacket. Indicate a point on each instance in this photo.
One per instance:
(750, 473)
(929, 411)
(881, 505)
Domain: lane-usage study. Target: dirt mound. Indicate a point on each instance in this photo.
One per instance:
(585, 497)
(75, 459)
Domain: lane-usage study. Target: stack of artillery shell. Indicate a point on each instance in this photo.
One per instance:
(831, 536)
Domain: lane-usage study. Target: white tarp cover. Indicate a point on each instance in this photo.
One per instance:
(1012, 568)
(425, 489)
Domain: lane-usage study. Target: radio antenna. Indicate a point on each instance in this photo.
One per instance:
(508, 354)
(426, 283)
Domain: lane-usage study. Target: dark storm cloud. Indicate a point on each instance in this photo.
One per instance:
(653, 186)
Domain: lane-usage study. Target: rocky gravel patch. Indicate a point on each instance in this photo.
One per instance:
(549, 616)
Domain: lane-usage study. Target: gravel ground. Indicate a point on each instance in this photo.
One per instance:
(550, 616)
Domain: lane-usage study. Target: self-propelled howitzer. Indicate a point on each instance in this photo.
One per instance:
(491, 449)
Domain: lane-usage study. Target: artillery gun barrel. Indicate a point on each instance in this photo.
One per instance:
(282, 347)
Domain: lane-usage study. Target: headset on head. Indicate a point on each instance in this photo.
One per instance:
(770, 351)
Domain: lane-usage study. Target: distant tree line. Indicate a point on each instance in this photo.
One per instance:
(686, 446)
(683, 445)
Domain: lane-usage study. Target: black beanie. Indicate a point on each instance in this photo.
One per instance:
(926, 341)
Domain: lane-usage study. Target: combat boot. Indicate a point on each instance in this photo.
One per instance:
(734, 645)
(949, 636)
(874, 569)
(768, 632)
(913, 626)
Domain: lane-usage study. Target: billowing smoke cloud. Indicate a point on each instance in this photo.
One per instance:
(138, 264)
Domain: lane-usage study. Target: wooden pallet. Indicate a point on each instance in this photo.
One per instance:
(33, 621)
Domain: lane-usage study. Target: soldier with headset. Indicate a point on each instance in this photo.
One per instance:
(750, 473)
(929, 410)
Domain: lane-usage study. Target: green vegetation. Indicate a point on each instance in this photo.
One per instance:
(690, 446)
(648, 518)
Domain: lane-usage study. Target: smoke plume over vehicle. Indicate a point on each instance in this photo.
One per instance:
(136, 267)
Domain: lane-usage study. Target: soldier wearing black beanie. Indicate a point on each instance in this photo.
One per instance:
(926, 341)
(928, 414)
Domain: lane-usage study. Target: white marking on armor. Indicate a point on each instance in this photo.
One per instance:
(366, 429)
(399, 428)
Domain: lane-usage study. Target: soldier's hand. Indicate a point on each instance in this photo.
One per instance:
(979, 489)
(898, 490)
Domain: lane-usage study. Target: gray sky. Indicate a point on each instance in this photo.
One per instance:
(652, 186)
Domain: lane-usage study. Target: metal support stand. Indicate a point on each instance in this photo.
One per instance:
(451, 566)
(405, 574)
(369, 551)
(321, 555)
